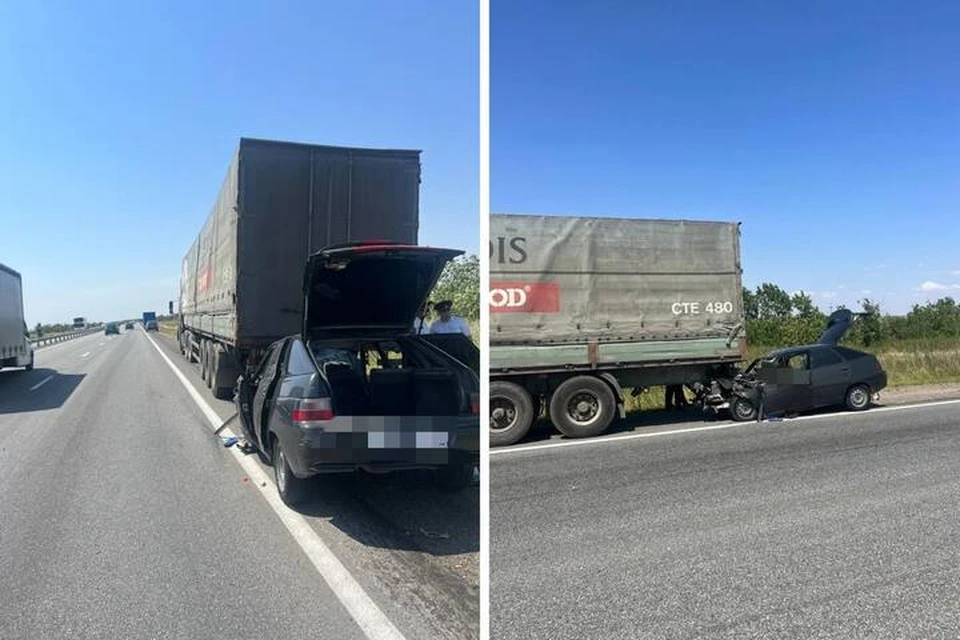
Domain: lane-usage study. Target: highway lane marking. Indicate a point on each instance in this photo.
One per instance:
(360, 606)
(41, 383)
(85, 355)
(716, 427)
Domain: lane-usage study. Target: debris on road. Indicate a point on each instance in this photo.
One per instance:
(229, 442)
(435, 534)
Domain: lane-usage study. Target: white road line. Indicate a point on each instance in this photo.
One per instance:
(41, 383)
(715, 427)
(361, 607)
(85, 355)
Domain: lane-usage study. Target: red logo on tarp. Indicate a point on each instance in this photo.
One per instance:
(203, 281)
(520, 297)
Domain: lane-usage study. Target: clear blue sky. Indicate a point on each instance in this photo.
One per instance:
(830, 129)
(118, 121)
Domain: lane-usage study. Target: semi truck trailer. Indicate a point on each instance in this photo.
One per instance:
(241, 285)
(15, 347)
(584, 308)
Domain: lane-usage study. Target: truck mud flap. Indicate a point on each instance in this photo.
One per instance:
(610, 379)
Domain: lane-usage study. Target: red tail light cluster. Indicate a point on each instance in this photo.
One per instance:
(475, 403)
(313, 410)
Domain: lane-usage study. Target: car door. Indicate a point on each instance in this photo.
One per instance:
(830, 377)
(247, 385)
(266, 384)
(786, 384)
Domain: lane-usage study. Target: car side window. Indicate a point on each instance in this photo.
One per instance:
(270, 361)
(798, 361)
(298, 362)
(824, 358)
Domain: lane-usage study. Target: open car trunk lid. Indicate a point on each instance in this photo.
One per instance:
(369, 287)
(838, 324)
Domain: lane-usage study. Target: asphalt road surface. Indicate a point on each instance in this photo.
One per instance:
(841, 526)
(123, 515)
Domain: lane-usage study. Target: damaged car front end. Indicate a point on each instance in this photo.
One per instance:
(800, 378)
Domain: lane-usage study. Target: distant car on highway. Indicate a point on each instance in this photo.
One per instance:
(111, 328)
(128, 326)
(151, 325)
(808, 377)
(357, 389)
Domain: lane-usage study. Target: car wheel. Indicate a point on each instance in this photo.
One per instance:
(858, 397)
(742, 410)
(455, 477)
(290, 487)
(511, 413)
(582, 407)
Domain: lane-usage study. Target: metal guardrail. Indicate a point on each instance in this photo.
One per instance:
(60, 337)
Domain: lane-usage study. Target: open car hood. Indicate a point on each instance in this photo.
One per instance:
(371, 287)
(838, 324)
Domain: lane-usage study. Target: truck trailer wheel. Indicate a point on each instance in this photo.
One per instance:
(204, 362)
(224, 376)
(210, 361)
(511, 413)
(582, 407)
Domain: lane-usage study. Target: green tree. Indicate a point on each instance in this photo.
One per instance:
(749, 305)
(773, 303)
(460, 283)
(869, 330)
(803, 306)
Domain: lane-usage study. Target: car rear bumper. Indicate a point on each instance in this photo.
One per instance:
(381, 444)
(878, 382)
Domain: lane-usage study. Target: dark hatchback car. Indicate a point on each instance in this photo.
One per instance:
(357, 389)
(128, 326)
(111, 328)
(808, 377)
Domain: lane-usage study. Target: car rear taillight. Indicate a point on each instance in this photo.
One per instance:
(475, 403)
(313, 410)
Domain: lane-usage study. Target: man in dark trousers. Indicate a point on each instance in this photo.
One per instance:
(676, 398)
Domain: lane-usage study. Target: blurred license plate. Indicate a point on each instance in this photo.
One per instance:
(419, 440)
(432, 440)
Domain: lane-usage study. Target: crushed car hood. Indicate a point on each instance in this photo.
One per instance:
(369, 287)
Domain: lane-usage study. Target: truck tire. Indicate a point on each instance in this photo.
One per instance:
(203, 360)
(742, 410)
(29, 366)
(511, 413)
(582, 407)
(858, 397)
(209, 356)
(223, 379)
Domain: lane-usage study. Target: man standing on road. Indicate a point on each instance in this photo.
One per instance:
(447, 322)
(676, 398)
(420, 323)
